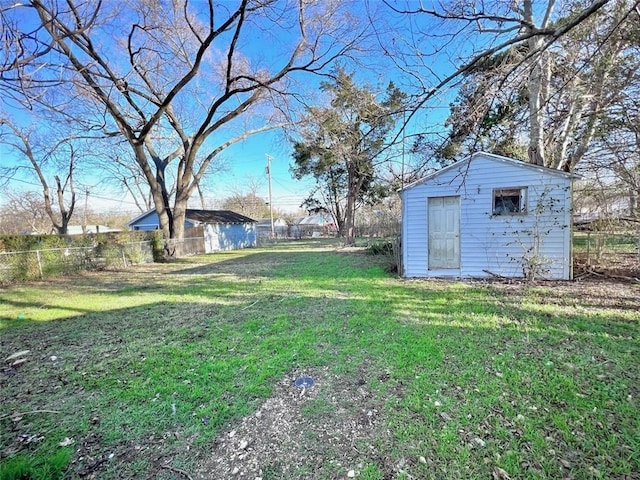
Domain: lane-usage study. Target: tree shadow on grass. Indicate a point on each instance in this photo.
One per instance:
(133, 386)
(136, 388)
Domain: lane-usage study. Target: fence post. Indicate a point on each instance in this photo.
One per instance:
(39, 263)
(588, 249)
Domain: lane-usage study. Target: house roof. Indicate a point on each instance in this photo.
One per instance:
(492, 156)
(266, 222)
(204, 216)
(139, 217)
(317, 220)
(217, 216)
(77, 229)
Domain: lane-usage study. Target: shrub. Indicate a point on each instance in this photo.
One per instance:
(380, 248)
(390, 249)
(157, 245)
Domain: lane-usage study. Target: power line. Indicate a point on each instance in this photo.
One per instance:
(293, 199)
(117, 200)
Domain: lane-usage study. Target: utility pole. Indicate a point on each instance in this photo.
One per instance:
(273, 233)
(84, 215)
(404, 128)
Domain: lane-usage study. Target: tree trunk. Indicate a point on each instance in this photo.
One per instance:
(157, 185)
(179, 217)
(65, 213)
(536, 89)
(349, 221)
(350, 210)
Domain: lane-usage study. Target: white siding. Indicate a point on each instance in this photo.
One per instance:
(492, 244)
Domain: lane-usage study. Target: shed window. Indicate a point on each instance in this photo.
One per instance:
(508, 201)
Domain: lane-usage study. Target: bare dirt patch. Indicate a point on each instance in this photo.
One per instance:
(319, 432)
(588, 292)
(611, 285)
(620, 267)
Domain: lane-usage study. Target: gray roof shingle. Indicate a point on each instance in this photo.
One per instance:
(217, 216)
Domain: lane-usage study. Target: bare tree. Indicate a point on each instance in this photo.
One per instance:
(129, 178)
(36, 155)
(175, 80)
(119, 171)
(534, 33)
(248, 204)
(579, 83)
(24, 212)
(245, 199)
(613, 164)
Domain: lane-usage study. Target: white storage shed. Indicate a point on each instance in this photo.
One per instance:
(223, 229)
(488, 216)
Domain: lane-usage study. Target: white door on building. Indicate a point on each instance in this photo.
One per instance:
(444, 232)
(211, 242)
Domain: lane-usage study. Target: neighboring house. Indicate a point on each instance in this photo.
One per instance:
(313, 226)
(90, 229)
(280, 228)
(223, 229)
(76, 230)
(488, 216)
(591, 212)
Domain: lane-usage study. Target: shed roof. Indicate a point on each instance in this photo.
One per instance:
(203, 216)
(217, 216)
(492, 156)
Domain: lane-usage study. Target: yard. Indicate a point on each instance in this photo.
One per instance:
(186, 370)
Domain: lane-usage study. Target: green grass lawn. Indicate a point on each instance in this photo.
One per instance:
(135, 374)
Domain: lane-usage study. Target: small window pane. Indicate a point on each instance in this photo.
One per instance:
(509, 201)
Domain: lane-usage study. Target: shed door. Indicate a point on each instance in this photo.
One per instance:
(444, 232)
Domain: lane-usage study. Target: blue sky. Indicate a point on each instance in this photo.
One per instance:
(246, 160)
(246, 164)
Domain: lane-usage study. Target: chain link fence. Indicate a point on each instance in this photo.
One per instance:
(615, 255)
(39, 264)
(597, 247)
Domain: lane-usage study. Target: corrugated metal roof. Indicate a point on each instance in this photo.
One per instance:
(217, 216)
(318, 220)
